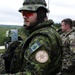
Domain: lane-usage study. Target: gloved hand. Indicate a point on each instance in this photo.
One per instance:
(8, 55)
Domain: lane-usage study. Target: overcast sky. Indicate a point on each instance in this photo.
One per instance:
(59, 9)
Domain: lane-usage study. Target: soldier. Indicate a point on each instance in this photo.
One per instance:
(68, 39)
(73, 23)
(41, 52)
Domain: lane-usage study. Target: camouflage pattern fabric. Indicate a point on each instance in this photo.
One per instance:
(43, 38)
(2, 66)
(33, 5)
(68, 40)
(26, 2)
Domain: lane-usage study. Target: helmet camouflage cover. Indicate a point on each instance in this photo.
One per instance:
(34, 2)
(33, 5)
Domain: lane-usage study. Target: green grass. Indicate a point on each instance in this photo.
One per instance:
(2, 51)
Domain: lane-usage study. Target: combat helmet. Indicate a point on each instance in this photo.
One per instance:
(33, 5)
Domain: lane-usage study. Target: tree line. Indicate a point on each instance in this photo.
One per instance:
(22, 32)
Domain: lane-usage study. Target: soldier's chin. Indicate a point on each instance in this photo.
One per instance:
(27, 27)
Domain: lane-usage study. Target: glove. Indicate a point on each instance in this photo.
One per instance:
(8, 55)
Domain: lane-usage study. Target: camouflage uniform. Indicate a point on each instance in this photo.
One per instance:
(68, 62)
(45, 39)
(41, 53)
(2, 66)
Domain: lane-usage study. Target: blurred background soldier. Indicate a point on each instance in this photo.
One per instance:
(73, 23)
(41, 52)
(68, 39)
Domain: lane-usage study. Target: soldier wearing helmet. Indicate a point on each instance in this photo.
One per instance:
(41, 52)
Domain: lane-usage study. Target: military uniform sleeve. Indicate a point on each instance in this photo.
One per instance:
(43, 45)
(72, 42)
(39, 57)
(2, 66)
(72, 47)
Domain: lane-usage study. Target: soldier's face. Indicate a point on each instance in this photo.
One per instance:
(63, 26)
(29, 18)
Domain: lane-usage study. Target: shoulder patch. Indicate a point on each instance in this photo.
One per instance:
(35, 46)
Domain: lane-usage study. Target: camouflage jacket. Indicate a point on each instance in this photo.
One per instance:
(42, 51)
(2, 67)
(68, 40)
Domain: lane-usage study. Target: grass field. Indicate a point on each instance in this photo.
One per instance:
(2, 51)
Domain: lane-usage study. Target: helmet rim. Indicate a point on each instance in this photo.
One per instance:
(32, 7)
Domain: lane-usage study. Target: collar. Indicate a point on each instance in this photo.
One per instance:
(41, 25)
